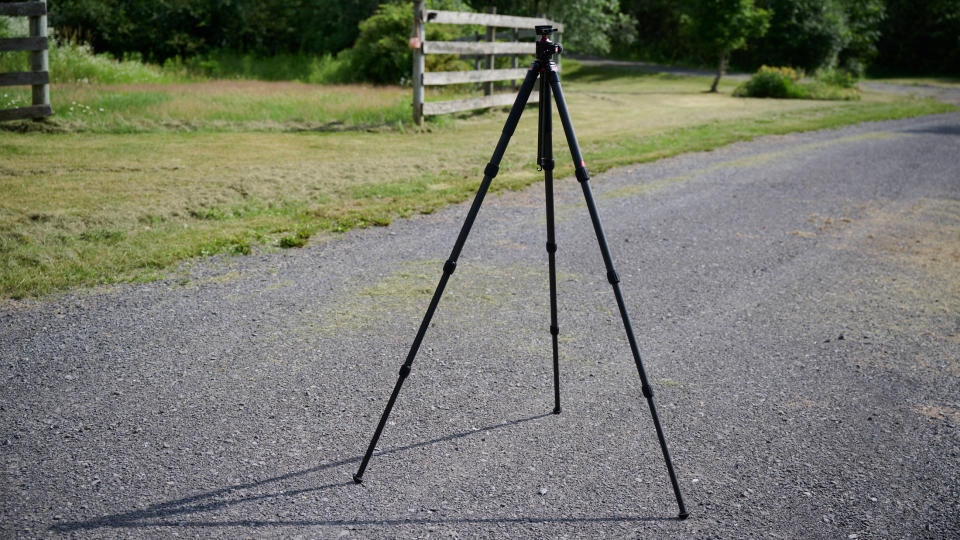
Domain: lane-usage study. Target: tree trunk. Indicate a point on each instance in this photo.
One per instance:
(721, 70)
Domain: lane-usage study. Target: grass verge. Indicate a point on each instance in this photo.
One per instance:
(89, 208)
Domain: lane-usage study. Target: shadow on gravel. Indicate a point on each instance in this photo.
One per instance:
(172, 513)
(938, 130)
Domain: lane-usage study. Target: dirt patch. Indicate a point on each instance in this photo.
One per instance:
(938, 412)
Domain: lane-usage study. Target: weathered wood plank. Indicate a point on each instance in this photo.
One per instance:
(34, 111)
(486, 75)
(21, 78)
(461, 47)
(487, 19)
(496, 100)
(23, 9)
(506, 35)
(23, 44)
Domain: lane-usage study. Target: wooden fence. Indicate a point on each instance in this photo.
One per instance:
(487, 50)
(39, 75)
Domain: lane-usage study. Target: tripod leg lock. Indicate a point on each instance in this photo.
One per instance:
(551, 247)
(404, 371)
(491, 170)
(612, 277)
(449, 267)
(546, 163)
(582, 174)
(647, 391)
(554, 329)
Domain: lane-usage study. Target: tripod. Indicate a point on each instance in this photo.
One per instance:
(544, 68)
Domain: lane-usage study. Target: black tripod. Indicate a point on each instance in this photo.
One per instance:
(546, 69)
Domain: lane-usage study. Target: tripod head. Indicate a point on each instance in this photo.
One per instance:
(546, 48)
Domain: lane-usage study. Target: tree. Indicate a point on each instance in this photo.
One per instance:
(716, 28)
(590, 26)
(920, 37)
(657, 30)
(864, 18)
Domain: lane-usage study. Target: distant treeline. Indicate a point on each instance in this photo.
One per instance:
(893, 36)
(889, 36)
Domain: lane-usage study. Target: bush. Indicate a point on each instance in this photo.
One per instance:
(772, 82)
(783, 83)
(837, 77)
(382, 53)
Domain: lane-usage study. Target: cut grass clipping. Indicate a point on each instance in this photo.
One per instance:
(81, 209)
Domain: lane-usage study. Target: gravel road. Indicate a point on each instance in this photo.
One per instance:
(796, 300)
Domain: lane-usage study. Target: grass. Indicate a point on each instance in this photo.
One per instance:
(221, 106)
(941, 82)
(220, 167)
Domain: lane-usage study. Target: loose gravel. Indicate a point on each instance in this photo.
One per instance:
(796, 300)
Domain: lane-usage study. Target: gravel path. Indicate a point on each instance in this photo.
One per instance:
(796, 300)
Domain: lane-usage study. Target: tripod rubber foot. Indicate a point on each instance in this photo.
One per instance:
(556, 410)
(357, 479)
(683, 516)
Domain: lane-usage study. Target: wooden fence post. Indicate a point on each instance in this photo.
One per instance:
(418, 62)
(40, 60)
(36, 44)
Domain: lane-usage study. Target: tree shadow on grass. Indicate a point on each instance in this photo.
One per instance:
(176, 513)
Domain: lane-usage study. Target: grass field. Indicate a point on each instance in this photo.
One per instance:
(166, 172)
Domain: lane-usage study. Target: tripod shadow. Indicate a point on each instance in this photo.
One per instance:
(172, 513)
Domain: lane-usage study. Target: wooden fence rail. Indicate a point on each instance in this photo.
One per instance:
(39, 75)
(485, 51)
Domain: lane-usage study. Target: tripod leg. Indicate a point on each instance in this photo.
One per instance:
(545, 160)
(488, 174)
(612, 277)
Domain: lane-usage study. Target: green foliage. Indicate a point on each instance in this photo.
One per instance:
(657, 32)
(72, 62)
(162, 29)
(804, 33)
(920, 38)
(382, 53)
(864, 18)
(226, 64)
(783, 83)
(294, 240)
(837, 77)
(719, 28)
(813, 34)
(772, 82)
(716, 29)
(590, 26)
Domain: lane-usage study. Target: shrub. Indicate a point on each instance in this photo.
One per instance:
(783, 83)
(772, 82)
(382, 53)
(837, 77)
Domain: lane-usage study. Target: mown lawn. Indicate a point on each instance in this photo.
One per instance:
(169, 172)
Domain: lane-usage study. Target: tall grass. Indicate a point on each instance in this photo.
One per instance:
(326, 69)
(73, 62)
